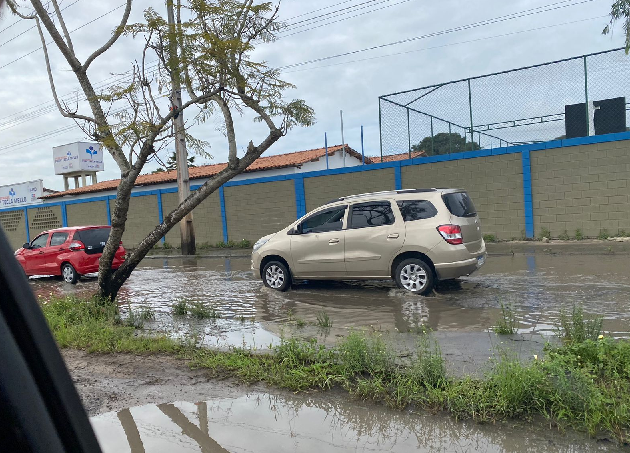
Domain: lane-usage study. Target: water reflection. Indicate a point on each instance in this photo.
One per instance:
(538, 287)
(262, 422)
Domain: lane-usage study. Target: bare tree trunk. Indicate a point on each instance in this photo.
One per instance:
(110, 281)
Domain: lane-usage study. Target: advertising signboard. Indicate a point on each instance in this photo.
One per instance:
(21, 194)
(78, 158)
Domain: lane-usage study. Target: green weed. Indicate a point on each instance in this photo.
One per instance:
(578, 235)
(545, 233)
(603, 235)
(167, 245)
(574, 328)
(564, 236)
(180, 308)
(489, 238)
(200, 310)
(323, 320)
(506, 325)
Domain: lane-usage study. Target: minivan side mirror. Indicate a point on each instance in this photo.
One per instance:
(294, 231)
(26, 245)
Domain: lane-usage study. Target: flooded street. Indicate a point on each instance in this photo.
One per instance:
(537, 286)
(263, 422)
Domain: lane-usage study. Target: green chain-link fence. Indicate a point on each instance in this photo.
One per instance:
(569, 98)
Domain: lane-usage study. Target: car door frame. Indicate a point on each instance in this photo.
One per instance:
(324, 266)
(381, 243)
(52, 252)
(33, 257)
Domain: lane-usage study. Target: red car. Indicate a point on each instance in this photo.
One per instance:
(68, 252)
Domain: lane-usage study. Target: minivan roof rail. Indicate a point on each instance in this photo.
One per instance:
(383, 192)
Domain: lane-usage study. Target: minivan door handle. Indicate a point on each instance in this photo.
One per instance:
(393, 236)
(334, 241)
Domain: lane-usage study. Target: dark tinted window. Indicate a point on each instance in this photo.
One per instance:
(58, 239)
(328, 220)
(459, 204)
(416, 210)
(40, 241)
(372, 214)
(94, 239)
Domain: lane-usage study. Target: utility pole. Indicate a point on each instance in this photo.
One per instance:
(186, 226)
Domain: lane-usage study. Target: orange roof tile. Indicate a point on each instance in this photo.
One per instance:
(206, 171)
(402, 156)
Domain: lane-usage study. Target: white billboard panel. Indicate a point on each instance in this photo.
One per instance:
(78, 157)
(21, 194)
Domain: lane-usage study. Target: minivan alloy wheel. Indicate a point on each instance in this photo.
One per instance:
(413, 277)
(69, 274)
(275, 276)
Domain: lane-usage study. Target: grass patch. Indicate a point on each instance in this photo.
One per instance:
(242, 244)
(180, 308)
(545, 233)
(323, 320)
(199, 310)
(603, 235)
(575, 328)
(506, 325)
(583, 383)
(489, 238)
(579, 236)
(564, 236)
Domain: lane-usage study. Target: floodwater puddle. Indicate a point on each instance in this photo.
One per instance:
(537, 287)
(263, 422)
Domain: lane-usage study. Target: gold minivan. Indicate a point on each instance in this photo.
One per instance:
(413, 236)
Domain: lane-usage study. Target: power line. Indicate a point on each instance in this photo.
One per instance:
(448, 45)
(29, 29)
(72, 31)
(511, 16)
(343, 19)
(293, 24)
(320, 9)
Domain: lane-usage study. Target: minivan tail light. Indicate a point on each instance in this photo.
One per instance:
(77, 246)
(451, 234)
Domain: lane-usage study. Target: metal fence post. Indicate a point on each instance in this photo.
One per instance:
(472, 138)
(432, 145)
(408, 134)
(362, 149)
(380, 127)
(588, 117)
(450, 139)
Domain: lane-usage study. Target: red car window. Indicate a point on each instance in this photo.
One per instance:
(58, 239)
(40, 241)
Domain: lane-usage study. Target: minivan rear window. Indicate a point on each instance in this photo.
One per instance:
(94, 239)
(459, 204)
(416, 210)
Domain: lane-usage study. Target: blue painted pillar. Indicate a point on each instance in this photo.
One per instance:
(527, 194)
(223, 215)
(160, 211)
(398, 177)
(64, 214)
(300, 198)
(109, 211)
(28, 231)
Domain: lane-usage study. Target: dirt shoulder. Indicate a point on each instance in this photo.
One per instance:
(111, 382)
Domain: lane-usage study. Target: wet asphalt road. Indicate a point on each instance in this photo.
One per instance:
(537, 286)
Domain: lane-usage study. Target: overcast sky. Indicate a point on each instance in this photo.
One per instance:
(351, 83)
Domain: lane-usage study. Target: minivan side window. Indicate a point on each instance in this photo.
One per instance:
(328, 220)
(372, 214)
(459, 204)
(40, 241)
(416, 210)
(58, 239)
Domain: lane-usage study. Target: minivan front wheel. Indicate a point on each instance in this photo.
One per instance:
(276, 276)
(415, 275)
(69, 274)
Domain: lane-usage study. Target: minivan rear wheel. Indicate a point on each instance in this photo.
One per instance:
(415, 275)
(276, 276)
(69, 274)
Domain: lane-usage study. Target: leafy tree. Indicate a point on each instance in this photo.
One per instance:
(445, 143)
(171, 163)
(620, 10)
(210, 52)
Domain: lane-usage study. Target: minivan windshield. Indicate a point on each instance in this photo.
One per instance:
(459, 204)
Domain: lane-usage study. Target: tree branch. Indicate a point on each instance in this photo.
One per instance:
(119, 31)
(229, 125)
(64, 112)
(63, 25)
